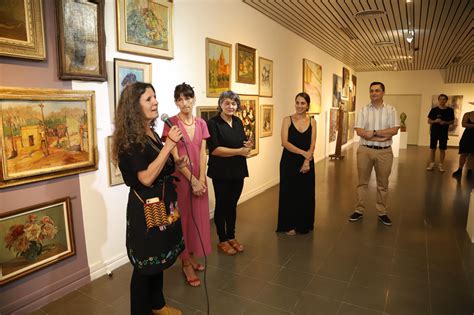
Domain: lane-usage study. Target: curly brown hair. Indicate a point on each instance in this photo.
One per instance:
(130, 120)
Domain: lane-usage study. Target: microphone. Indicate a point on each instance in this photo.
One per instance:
(166, 119)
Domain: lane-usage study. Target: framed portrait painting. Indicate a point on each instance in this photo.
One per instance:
(115, 176)
(22, 29)
(312, 84)
(45, 134)
(265, 77)
(218, 67)
(127, 72)
(250, 116)
(81, 40)
(245, 64)
(267, 121)
(145, 27)
(35, 237)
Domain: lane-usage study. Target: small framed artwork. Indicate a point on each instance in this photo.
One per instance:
(218, 67)
(267, 121)
(22, 29)
(250, 116)
(45, 134)
(206, 112)
(115, 176)
(145, 27)
(127, 72)
(346, 81)
(312, 84)
(245, 64)
(265, 77)
(350, 125)
(81, 40)
(333, 121)
(35, 237)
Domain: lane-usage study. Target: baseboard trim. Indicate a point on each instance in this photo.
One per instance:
(102, 268)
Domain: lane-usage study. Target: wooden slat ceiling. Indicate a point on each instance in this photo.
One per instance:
(443, 32)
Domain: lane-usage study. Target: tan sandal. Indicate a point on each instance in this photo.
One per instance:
(194, 282)
(236, 245)
(226, 248)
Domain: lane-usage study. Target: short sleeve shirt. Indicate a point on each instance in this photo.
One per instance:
(223, 135)
(446, 114)
(372, 118)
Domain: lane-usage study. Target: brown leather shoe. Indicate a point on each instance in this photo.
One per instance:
(167, 310)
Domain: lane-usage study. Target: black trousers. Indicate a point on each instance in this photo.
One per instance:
(146, 293)
(227, 193)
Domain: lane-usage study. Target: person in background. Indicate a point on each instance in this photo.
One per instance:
(228, 150)
(146, 167)
(466, 144)
(439, 118)
(194, 217)
(297, 177)
(376, 124)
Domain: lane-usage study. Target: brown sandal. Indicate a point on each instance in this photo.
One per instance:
(226, 248)
(236, 245)
(194, 282)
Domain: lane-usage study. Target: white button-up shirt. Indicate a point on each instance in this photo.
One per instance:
(372, 118)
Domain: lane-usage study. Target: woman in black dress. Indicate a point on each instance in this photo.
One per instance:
(146, 166)
(466, 144)
(297, 178)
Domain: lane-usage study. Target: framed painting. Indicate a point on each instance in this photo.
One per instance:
(336, 90)
(346, 77)
(312, 84)
(245, 64)
(22, 29)
(350, 125)
(353, 93)
(45, 134)
(249, 114)
(455, 102)
(35, 237)
(115, 176)
(127, 72)
(81, 40)
(218, 67)
(206, 112)
(267, 121)
(145, 27)
(265, 77)
(344, 127)
(333, 120)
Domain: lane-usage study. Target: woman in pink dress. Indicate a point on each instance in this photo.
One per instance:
(195, 216)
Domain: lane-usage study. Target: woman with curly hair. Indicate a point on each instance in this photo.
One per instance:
(146, 165)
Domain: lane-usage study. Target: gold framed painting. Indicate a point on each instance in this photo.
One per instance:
(81, 40)
(206, 112)
(218, 67)
(312, 84)
(115, 176)
(35, 237)
(145, 27)
(127, 72)
(45, 134)
(250, 115)
(267, 121)
(265, 77)
(245, 64)
(22, 29)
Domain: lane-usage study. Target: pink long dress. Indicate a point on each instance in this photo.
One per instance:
(200, 204)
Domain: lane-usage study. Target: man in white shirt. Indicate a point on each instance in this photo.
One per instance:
(376, 124)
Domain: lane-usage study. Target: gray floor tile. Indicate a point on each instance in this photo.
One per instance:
(313, 305)
(292, 279)
(328, 288)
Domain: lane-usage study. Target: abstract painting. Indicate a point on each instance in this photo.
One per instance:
(455, 102)
(249, 114)
(265, 77)
(218, 67)
(245, 64)
(312, 84)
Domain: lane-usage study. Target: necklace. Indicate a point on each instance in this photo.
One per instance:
(187, 124)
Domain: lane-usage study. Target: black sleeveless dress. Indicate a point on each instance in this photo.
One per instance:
(297, 190)
(466, 144)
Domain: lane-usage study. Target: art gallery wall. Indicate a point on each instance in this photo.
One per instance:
(230, 21)
(424, 83)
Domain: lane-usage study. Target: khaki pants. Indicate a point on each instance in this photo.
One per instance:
(381, 160)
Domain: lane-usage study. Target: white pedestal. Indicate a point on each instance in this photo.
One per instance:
(470, 218)
(396, 145)
(403, 139)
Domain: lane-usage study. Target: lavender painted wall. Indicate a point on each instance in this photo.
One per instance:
(46, 285)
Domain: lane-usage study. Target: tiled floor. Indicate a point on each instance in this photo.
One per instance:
(423, 264)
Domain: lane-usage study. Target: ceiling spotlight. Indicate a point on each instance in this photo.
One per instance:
(410, 36)
(409, 1)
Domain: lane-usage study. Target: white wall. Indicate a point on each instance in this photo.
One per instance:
(229, 21)
(426, 83)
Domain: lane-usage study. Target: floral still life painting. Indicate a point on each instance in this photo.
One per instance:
(250, 115)
(245, 64)
(34, 237)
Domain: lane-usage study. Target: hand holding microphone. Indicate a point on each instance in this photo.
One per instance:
(174, 134)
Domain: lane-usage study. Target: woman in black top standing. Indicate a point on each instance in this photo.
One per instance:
(297, 178)
(228, 149)
(146, 166)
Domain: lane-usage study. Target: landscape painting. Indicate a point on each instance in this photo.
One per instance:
(218, 67)
(45, 134)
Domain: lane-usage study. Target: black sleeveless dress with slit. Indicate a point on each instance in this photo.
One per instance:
(297, 190)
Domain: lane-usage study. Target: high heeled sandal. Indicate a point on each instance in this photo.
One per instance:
(194, 282)
(198, 267)
(226, 248)
(236, 245)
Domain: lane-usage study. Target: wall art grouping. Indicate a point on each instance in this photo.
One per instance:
(45, 134)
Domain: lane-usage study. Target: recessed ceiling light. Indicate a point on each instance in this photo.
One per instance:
(369, 14)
